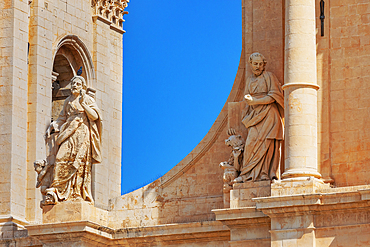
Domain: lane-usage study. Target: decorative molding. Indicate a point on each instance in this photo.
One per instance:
(111, 10)
(75, 42)
(300, 84)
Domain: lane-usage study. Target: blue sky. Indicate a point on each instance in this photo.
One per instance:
(180, 62)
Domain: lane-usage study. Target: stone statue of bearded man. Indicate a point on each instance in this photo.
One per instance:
(76, 145)
(263, 119)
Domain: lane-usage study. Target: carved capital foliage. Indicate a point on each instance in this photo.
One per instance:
(112, 10)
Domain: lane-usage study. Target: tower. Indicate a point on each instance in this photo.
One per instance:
(42, 45)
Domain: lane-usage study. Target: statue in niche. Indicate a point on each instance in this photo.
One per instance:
(74, 145)
(262, 117)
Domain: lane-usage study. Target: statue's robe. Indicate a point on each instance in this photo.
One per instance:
(265, 129)
(79, 146)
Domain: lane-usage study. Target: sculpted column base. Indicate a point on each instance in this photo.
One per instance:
(295, 186)
(302, 173)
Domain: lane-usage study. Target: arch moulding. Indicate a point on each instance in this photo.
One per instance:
(74, 42)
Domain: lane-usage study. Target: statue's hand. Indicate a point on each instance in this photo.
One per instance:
(49, 130)
(236, 153)
(250, 100)
(82, 96)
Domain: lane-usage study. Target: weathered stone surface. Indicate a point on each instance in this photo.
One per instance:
(242, 193)
(74, 147)
(326, 133)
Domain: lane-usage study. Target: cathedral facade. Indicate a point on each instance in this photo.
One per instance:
(294, 170)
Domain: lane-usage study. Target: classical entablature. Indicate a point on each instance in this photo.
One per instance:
(111, 10)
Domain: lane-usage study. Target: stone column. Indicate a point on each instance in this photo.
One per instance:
(300, 91)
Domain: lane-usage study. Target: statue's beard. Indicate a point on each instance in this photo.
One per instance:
(75, 91)
(258, 72)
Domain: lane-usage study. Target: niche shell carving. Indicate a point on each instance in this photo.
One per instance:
(73, 145)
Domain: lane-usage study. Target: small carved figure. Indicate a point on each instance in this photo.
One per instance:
(232, 167)
(74, 145)
(263, 119)
(44, 176)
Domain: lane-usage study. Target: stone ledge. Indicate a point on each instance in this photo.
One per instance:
(237, 213)
(187, 233)
(15, 220)
(84, 231)
(242, 193)
(74, 212)
(319, 202)
(71, 232)
(294, 186)
(248, 226)
(256, 184)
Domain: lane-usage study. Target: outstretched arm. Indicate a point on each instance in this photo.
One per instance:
(262, 101)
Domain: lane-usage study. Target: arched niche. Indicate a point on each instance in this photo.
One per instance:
(69, 55)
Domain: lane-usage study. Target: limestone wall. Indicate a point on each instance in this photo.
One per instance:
(50, 22)
(342, 61)
(107, 57)
(343, 56)
(13, 105)
(190, 190)
(32, 33)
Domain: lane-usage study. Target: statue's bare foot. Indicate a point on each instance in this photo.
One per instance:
(265, 177)
(238, 180)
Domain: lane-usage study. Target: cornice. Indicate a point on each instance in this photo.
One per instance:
(111, 11)
(319, 203)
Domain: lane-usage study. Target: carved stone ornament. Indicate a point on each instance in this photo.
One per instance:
(112, 10)
(73, 144)
(262, 118)
(232, 166)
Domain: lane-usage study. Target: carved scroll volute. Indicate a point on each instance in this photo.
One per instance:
(112, 10)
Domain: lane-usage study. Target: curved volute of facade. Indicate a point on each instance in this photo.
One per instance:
(190, 190)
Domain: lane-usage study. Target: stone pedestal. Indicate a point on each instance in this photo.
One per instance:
(309, 185)
(242, 193)
(74, 211)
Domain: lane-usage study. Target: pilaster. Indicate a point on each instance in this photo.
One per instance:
(39, 99)
(13, 105)
(248, 226)
(107, 59)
